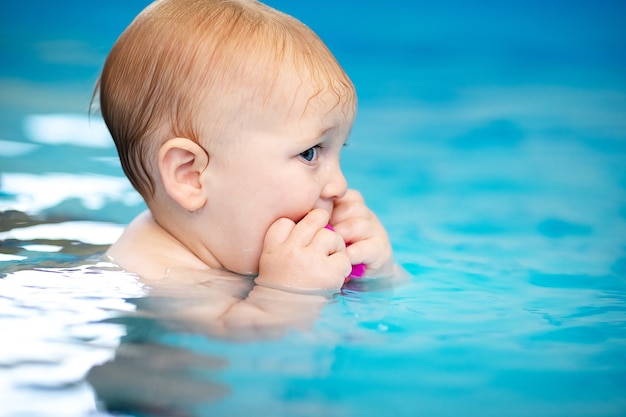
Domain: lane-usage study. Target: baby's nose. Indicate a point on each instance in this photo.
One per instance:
(336, 186)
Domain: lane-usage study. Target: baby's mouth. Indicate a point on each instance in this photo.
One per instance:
(330, 214)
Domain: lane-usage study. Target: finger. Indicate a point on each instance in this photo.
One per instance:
(306, 229)
(278, 232)
(360, 253)
(351, 196)
(328, 242)
(371, 252)
(345, 209)
(355, 229)
(341, 262)
(342, 213)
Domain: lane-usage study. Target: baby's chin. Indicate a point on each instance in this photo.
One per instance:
(246, 267)
(246, 272)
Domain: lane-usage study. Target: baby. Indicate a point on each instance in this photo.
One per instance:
(229, 118)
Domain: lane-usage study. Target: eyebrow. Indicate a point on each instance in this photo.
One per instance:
(324, 132)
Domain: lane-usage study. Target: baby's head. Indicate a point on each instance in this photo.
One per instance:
(197, 68)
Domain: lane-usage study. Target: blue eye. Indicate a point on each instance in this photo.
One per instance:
(310, 154)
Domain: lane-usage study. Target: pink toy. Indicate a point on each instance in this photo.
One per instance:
(358, 270)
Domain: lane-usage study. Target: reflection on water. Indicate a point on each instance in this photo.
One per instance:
(52, 327)
(77, 129)
(150, 377)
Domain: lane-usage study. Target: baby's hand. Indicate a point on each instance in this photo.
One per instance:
(365, 235)
(304, 256)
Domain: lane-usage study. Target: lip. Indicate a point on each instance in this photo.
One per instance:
(327, 206)
(322, 204)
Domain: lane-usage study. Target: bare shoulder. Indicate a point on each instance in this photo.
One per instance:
(148, 250)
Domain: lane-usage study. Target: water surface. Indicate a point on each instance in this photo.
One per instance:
(491, 141)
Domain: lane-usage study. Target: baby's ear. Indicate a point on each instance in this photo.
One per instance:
(181, 163)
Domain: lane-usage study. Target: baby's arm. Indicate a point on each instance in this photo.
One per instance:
(228, 305)
(367, 239)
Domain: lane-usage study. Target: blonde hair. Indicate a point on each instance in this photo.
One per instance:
(178, 54)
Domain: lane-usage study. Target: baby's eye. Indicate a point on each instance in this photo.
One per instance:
(310, 154)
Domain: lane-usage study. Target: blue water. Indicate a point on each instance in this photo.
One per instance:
(490, 140)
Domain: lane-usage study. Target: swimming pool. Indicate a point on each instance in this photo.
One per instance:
(490, 140)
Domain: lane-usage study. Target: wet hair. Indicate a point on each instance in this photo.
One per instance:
(179, 55)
